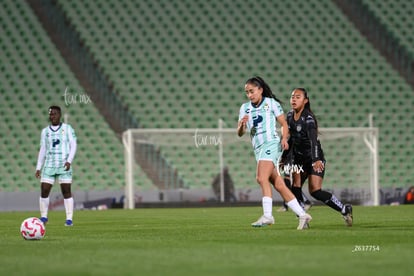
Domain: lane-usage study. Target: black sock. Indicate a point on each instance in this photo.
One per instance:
(297, 191)
(329, 199)
(287, 183)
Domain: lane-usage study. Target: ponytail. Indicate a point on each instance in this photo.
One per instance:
(307, 105)
(267, 92)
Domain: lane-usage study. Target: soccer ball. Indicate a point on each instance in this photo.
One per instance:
(32, 229)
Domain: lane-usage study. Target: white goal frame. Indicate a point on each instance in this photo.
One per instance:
(370, 137)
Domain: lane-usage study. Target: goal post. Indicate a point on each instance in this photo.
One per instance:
(358, 153)
(187, 160)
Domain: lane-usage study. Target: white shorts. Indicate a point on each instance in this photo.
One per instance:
(270, 151)
(51, 175)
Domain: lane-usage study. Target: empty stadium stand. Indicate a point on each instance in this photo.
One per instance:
(187, 61)
(182, 64)
(34, 76)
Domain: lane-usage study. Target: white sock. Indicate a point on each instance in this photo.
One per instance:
(294, 205)
(44, 206)
(69, 208)
(267, 203)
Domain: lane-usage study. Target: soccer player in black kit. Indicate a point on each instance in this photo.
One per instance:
(306, 155)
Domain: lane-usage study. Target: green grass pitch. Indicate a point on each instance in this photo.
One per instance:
(212, 241)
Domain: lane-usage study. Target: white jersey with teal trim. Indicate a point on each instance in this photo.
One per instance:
(262, 120)
(57, 145)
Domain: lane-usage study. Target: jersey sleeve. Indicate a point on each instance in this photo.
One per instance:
(289, 117)
(277, 108)
(72, 144)
(43, 138)
(42, 152)
(242, 112)
(312, 133)
(71, 134)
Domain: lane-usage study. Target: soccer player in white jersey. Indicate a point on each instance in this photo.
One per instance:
(259, 116)
(57, 151)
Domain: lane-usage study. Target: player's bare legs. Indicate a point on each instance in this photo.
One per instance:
(266, 172)
(290, 200)
(263, 172)
(45, 189)
(281, 188)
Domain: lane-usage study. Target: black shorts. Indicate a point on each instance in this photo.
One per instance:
(307, 168)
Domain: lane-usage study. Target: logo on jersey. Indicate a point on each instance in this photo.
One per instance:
(55, 142)
(247, 111)
(266, 107)
(268, 152)
(298, 128)
(256, 121)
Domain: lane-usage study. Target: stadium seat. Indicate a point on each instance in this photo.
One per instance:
(185, 65)
(36, 79)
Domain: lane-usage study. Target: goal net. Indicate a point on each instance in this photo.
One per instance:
(181, 165)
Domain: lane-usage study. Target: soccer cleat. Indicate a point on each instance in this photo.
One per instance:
(68, 222)
(304, 221)
(348, 217)
(44, 220)
(263, 221)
